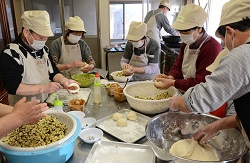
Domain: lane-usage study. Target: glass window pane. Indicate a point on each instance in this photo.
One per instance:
(133, 12)
(1, 39)
(86, 9)
(116, 21)
(9, 13)
(53, 9)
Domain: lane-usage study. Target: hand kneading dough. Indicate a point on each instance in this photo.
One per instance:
(116, 116)
(132, 116)
(122, 122)
(190, 149)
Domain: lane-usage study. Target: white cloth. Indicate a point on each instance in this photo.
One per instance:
(36, 71)
(189, 61)
(69, 54)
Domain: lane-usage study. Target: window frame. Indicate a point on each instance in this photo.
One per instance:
(124, 11)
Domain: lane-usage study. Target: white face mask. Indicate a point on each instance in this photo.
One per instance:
(73, 39)
(37, 45)
(138, 44)
(187, 39)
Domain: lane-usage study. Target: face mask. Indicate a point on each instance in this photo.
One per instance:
(73, 39)
(187, 39)
(138, 44)
(37, 45)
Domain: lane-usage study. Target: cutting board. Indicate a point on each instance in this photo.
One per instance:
(65, 96)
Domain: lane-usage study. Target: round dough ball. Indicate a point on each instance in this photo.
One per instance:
(116, 116)
(122, 122)
(132, 116)
(158, 83)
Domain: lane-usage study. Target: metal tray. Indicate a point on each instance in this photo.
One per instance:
(134, 131)
(117, 152)
(65, 96)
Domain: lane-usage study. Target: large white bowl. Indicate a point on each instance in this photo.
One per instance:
(121, 79)
(147, 89)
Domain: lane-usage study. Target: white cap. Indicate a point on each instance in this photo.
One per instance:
(234, 11)
(75, 24)
(38, 21)
(137, 30)
(216, 62)
(190, 16)
(165, 3)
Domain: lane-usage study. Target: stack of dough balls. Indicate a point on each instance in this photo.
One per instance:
(121, 121)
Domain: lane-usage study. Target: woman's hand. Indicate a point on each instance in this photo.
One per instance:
(205, 133)
(75, 64)
(165, 83)
(29, 112)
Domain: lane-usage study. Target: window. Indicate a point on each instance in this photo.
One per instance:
(86, 9)
(121, 15)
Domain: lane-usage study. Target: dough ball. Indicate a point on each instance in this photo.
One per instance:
(190, 149)
(122, 122)
(158, 83)
(132, 116)
(116, 116)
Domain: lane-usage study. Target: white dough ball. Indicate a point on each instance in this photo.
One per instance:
(132, 116)
(122, 122)
(116, 116)
(158, 83)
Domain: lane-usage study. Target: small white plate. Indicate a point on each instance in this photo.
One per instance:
(91, 135)
(87, 122)
(78, 114)
(74, 85)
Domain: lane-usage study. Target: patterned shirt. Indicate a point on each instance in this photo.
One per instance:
(11, 64)
(229, 81)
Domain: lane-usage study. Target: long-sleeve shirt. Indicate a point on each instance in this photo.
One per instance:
(152, 48)
(56, 51)
(208, 52)
(229, 81)
(161, 20)
(11, 64)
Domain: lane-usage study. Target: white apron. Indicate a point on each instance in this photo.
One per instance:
(189, 60)
(141, 61)
(36, 71)
(69, 54)
(152, 30)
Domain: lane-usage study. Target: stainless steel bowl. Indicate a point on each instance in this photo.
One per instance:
(163, 130)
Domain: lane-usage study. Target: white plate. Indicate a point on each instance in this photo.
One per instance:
(87, 122)
(91, 135)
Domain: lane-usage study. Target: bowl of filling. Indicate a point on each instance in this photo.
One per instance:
(84, 80)
(52, 139)
(76, 104)
(119, 76)
(146, 98)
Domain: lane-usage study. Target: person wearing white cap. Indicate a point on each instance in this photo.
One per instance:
(156, 19)
(71, 54)
(26, 68)
(230, 80)
(197, 52)
(140, 54)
